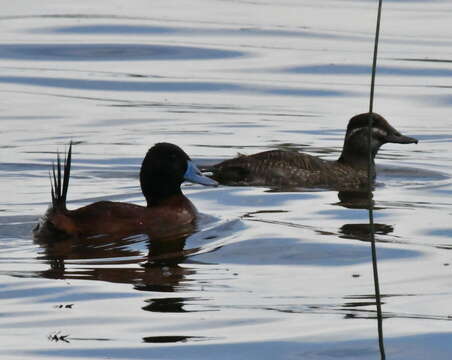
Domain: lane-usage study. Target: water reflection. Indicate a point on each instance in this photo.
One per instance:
(110, 52)
(129, 29)
(340, 69)
(167, 86)
(105, 258)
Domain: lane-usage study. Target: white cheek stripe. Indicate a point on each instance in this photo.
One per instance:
(375, 131)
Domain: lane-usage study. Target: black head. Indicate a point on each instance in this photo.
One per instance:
(165, 167)
(356, 143)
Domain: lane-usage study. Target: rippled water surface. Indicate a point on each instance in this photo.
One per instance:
(268, 274)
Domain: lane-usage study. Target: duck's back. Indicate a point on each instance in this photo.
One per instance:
(283, 168)
(275, 167)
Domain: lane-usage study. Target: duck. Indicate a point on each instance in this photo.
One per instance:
(165, 167)
(287, 169)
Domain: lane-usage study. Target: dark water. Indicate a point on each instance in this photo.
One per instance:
(268, 275)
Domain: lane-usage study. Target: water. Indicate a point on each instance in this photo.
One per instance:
(270, 275)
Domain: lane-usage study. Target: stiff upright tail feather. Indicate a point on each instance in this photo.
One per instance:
(59, 182)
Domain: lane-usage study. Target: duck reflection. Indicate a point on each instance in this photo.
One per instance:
(170, 339)
(348, 199)
(363, 231)
(169, 305)
(360, 200)
(356, 199)
(106, 258)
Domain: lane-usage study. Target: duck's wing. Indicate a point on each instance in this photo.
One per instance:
(271, 168)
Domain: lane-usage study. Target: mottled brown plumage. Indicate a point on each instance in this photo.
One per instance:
(292, 169)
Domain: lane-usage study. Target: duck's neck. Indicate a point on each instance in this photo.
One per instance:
(355, 152)
(165, 191)
(357, 161)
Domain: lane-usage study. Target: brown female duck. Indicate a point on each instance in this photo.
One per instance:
(292, 169)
